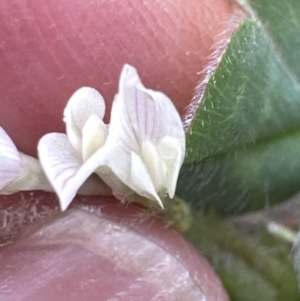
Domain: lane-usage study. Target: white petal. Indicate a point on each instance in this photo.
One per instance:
(82, 104)
(139, 108)
(121, 170)
(172, 153)
(113, 166)
(31, 178)
(94, 135)
(120, 130)
(114, 158)
(10, 161)
(140, 119)
(141, 181)
(156, 167)
(170, 122)
(63, 166)
(151, 114)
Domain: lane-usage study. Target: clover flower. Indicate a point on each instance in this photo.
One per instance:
(139, 153)
(145, 146)
(64, 156)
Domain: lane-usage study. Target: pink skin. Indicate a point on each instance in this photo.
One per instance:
(109, 253)
(51, 48)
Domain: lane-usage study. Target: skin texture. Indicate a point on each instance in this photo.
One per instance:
(48, 50)
(105, 252)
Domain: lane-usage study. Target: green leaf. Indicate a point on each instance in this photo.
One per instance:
(281, 21)
(246, 178)
(240, 280)
(252, 267)
(244, 142)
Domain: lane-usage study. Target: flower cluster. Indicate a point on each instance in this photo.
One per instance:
(139, 152)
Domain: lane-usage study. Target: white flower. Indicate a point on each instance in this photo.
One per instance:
(141, 153)
(145, 147)
(19, 171)
(63, 156)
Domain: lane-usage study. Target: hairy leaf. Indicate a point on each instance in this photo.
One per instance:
(243, 145)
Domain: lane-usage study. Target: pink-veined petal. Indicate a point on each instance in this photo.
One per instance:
(10, 161)
(152, 117)
(31, 178)
(151, 114)
(139, 115)
(140, 118)
(63, 166)
(137, 106)
(82, 104)
(171, 124)
(114, 158)
(120, 130)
